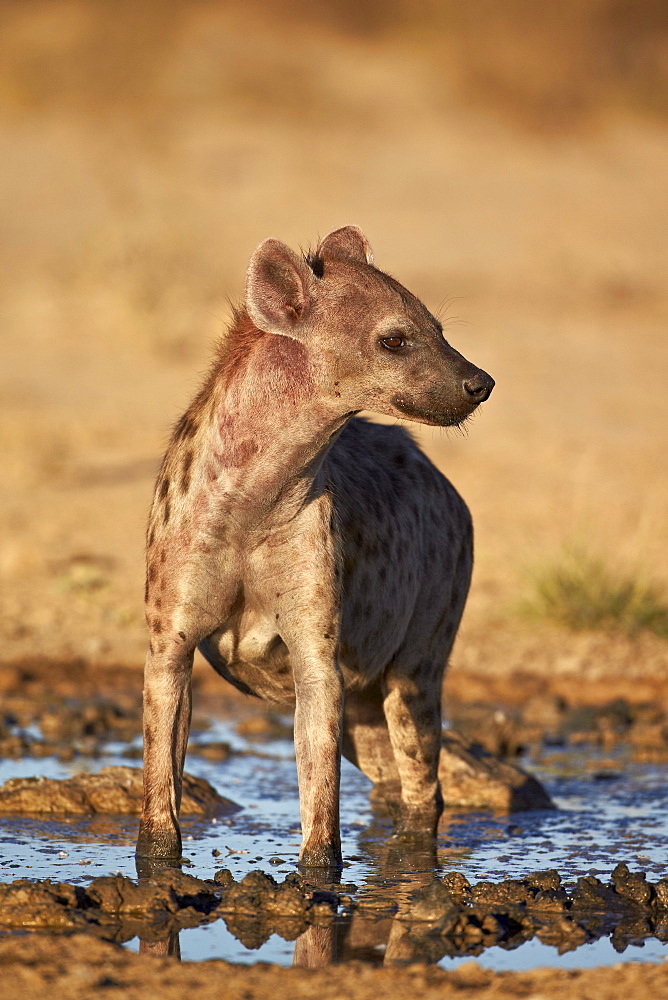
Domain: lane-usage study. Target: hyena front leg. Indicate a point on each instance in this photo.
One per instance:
(318, 707)
(167, 711)
(306, 616)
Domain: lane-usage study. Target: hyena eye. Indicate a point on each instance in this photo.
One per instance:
(394, 342)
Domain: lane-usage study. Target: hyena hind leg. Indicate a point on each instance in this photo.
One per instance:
(366, 744)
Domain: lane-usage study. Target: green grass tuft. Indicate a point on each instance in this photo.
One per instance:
(581, 591)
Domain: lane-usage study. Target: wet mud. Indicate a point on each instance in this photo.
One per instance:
(65, 709)
(155, 908)
(446, 916)
(513, 715)
(401, 908)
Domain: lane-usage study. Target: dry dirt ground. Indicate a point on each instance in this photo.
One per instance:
(79, 967)
(144, 156)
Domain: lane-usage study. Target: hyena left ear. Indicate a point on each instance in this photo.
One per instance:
(348, 242)
(279, 289)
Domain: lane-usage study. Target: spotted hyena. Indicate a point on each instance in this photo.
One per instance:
(313, 557)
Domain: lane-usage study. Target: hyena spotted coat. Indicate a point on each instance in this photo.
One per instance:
(313, 557)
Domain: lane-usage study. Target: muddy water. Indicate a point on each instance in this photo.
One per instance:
(610, 809)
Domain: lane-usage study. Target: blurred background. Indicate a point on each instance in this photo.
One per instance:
(508, 160)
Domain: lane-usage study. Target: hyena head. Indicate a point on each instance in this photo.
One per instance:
(370, 343)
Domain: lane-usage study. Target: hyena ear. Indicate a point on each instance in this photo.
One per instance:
(279, 289)
(348, 242)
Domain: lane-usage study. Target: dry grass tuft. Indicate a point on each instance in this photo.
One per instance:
(581, 591)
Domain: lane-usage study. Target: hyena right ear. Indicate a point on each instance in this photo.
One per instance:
(279, 289)
(348, 242)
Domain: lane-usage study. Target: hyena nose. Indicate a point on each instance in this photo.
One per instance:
(479, 386)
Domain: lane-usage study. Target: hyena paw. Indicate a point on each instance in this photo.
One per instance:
(323, 856)
(158, 843)
(418, 823)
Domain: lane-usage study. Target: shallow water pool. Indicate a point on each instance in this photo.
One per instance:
(604, 815)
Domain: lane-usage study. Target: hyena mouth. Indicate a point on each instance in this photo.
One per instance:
(437, 417)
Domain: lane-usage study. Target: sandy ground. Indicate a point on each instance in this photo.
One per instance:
(128, 223)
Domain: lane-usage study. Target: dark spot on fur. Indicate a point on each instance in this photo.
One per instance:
(370, 550)
(167, 512)
(185, 476)
(157, 625)
(151, 574)
(349, 567)
(163, 555)
(182, 635)
(149, 738)
(158, 602)
(185, 429)
(146, 591)
(400, 460)
(150, 647)
(164, 488)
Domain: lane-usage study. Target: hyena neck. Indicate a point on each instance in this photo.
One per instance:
(269, 426)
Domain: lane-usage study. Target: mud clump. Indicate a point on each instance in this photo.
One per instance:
(117, 908)
(451, 917)
(112, 791)
(108, 903)
(53, 905)
(258, 906)
(447, 916)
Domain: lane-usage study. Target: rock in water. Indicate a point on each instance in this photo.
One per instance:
(473, 778)
(112, 791)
